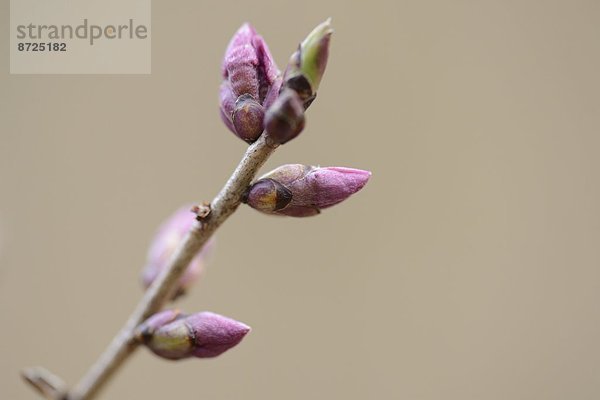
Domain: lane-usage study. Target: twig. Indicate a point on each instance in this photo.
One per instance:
(48, 384)
(224, 204)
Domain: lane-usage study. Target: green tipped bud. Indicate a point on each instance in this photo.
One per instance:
(314, 53)
(307, 64)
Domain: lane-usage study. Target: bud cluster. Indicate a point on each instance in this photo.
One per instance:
(254, 98)
(253, 95)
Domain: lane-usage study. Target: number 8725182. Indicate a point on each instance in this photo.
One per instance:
(50, 46)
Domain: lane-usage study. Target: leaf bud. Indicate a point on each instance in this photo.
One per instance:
(307, 65)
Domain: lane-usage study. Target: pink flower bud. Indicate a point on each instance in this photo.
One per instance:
(248, 70)
(165, 243)
(298, 190)
(175, 336)
(285, 119)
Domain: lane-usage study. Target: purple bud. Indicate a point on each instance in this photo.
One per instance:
(298, 190)
(307, 65)
(165, 243)
(285, 118)
(248, 70)
(175, 336)
(215, 334)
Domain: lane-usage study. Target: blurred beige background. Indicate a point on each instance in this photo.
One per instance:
(468, 268)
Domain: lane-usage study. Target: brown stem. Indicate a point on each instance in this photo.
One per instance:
(223, 205)
(49, 385)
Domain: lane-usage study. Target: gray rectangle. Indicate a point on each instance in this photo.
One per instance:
(80, 37)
